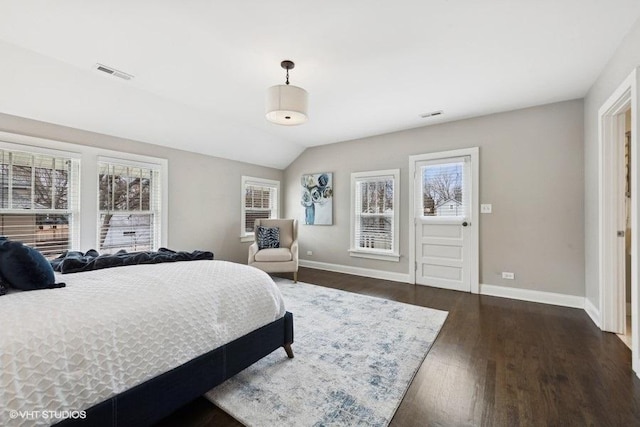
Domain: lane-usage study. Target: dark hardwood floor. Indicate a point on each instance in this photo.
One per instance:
(496, 362)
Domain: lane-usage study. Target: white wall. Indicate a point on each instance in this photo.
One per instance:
(622, 62)
(531, 170)
(204, 191)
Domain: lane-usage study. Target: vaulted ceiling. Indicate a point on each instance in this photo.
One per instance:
(202, 67)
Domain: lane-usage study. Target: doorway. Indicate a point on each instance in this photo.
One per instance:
(618, 219)
(444, 220)
(626, 335)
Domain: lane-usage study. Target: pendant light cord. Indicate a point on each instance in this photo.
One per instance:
(287, 76)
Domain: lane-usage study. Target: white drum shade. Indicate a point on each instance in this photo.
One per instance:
(287, 105)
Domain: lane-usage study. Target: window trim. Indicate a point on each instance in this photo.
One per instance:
(158, 216)
(377, 254)
(249, 237)
(74, 208)
(88, 179)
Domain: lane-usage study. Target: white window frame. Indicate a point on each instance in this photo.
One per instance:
(372, 253)
(158, 213)
(73, 210)
(88, 184)
(262, 182)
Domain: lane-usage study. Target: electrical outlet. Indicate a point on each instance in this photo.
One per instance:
(508, 275)
(485, 208)
(310, 253)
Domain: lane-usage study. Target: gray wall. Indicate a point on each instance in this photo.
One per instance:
(623, 61)
(204, 191)
(531, 170)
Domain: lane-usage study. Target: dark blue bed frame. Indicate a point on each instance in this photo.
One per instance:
(158, 397)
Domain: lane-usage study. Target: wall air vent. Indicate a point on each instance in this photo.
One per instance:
(113, 72)
(432, 114)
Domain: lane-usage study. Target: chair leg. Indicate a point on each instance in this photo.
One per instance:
(295, 277)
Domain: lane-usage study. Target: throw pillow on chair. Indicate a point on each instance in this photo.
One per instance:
(268, 237)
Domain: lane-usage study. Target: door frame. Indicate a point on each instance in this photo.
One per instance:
(474, 219)
(611, 133)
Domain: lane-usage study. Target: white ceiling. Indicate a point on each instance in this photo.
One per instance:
(202, 67)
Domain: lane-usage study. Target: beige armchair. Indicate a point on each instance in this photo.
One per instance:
(277, 260)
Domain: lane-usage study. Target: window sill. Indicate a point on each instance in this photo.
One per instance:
(375, 255)
(247, 238)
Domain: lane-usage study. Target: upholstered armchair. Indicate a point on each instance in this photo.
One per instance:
(281, 259)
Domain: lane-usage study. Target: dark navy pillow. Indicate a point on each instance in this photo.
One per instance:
(268, 237)
(3, 289)
(23, 267)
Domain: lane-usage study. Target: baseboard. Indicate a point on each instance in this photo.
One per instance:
(592, 311)
(564, 300)
(356, 271)
(552, 298)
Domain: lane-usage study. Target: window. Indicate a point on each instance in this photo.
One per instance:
(259, 201)
(374, 219)
(39, 199)
(443, 188)
(129, 206)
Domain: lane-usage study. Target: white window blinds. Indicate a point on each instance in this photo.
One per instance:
(259, 201)
(375, 216)
(39, 200)
(129, 207)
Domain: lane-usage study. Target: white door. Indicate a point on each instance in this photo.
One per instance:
(445, 222)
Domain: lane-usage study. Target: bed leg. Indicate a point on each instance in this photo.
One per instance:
(295, 277)
(289, 350)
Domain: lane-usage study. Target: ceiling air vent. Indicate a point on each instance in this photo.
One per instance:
(113, 72)
(432, 114)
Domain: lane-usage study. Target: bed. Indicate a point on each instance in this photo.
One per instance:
(129, 345)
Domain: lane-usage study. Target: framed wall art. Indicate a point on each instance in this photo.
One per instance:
(317, 198)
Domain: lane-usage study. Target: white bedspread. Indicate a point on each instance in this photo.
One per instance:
(109, 330)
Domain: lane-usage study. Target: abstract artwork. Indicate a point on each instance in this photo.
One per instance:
(317, 198)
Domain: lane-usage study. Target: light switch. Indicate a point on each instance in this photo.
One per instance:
(485, 208)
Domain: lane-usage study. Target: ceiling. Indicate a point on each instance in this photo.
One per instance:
(202, 67)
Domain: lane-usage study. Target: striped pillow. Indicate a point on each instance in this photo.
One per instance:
(268, 237)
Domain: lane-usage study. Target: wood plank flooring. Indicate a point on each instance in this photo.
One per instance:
(496, 362)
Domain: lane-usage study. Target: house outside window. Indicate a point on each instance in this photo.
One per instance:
(39, 197)
(129, 206)
(259, 200)
(375, 214)
(443, 189)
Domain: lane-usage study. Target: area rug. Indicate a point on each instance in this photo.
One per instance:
(355, 357)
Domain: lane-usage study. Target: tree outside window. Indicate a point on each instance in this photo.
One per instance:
(128, 207)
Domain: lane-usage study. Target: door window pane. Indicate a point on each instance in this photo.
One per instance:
(443, 188)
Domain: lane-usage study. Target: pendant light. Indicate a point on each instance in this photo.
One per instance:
(287, 104)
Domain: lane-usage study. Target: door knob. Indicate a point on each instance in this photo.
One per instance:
(465, 223)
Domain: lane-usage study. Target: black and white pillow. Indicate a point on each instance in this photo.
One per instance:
(268, 237)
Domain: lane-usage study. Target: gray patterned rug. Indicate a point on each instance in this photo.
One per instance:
(355, 357)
